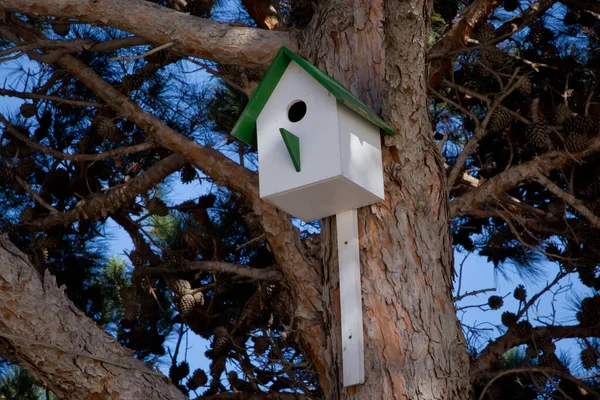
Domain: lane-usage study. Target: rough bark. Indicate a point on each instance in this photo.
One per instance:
(414, 346)
(192, 36)
(60, 346)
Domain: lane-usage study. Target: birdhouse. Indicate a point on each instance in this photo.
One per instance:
(319, 154)
(319, 148)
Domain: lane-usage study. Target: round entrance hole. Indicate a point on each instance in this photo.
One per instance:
(296, 111)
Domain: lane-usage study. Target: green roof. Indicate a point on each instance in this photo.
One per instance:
(245, 128)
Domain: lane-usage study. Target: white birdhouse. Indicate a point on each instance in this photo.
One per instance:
(319, 154)
(319, 148)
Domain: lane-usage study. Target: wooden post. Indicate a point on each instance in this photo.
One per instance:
(353, 357)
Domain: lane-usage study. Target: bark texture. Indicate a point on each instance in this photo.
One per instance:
(225, 43)
(413, 343)
(60, 346)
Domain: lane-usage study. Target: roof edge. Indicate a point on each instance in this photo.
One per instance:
(245, 127)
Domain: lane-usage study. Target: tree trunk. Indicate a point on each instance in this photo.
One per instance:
(414, 348)
(60, 346)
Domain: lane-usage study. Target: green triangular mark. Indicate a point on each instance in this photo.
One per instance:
(292, 142)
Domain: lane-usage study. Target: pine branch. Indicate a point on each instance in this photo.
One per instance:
(570, 199)
(198, 37)
(456, 37)
(285, 243)
(495, 349)
(547, 372)
(515, 176)
(266, 274)
(59, 100)
(102, 205)
(299, 269)
(74, 157)
(592, 6)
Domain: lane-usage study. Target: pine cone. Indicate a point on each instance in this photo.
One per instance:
(197, 379)
(178, 372)
(159, 58)
(497, 60)
(531, 351)
(220, 341)
(180, 287)
(27, 214)
(538, 135)
(5, 176)
(158, 207)
(172, 260)
(557, 208)
(561, 113)
(499, 120)
(589, 358)
(108, 130)
(548, 347)
(508, 319)
(579, 124)
(138, 258)
(486, 33)
(198, 299)
(523, 329)
(576, 142)
(25, 167)
(186, 304)
(520, 293)
(590, 311)
(261, 344)
(540, 35)
(495, 302)
(28, 110)
(188, 174)
(133, 82)
(525, 87)
(47, 242)
(194, 238)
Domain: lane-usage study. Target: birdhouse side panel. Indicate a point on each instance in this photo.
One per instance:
(303, 108)
(360, 150)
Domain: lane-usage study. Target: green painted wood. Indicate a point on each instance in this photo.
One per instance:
(245, 128)
(292, 143)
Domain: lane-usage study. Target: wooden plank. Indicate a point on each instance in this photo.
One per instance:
(353, 357)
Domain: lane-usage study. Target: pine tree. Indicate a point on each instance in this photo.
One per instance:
(104, 133)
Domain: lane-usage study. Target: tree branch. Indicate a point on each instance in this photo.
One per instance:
(75, 157)
(514, 176)
(592, 6)
(59, 100)
(572, 200)
(267, 274)
(490, 354)
(102, 205)
(198, 37)
(285, 243)
(80, 360)
(471, 17)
